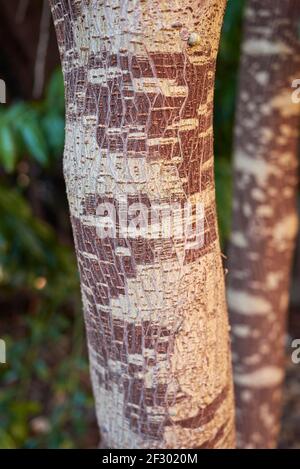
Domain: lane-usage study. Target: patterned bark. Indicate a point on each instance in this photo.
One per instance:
(139, 102)
(265, 219)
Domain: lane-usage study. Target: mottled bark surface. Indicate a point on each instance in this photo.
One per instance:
(139, 102)
(265, 219)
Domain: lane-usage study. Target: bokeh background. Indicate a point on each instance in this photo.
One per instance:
(45, 392)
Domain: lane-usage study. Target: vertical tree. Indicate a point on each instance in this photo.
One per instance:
(28, 50)
(265, 217)
(139, 78)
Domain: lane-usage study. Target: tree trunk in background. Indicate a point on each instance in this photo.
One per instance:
(28, 50)
(265, 218)
(139, 103)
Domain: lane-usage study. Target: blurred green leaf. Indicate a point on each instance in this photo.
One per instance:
(55, 100)
(225, 99)
(34, 139)
(6, 440)
(16, 111)
(8, 153)
(53, 126)
(223, 177)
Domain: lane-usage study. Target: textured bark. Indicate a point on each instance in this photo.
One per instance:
(265, 217)
(139, 103)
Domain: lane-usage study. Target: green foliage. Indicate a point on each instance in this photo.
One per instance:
(225, 99)
(46, 377)
(30, 249)
(223, 177)
(45, 400)
(45, 395)
(32, 136)
(8, 148)
(55, 93)
(33, 129)
(53, 129)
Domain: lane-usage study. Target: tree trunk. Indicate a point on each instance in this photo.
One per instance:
(24, 34)
(139, 140)
(265, 217)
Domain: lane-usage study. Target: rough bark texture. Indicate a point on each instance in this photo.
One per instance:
(265, 218)
(139, 103)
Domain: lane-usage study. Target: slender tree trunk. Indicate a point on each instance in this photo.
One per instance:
(28, 50)
(265, 217)
(139, 79)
